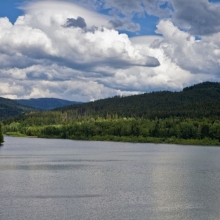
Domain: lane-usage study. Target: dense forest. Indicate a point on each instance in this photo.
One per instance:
(191, 116)
(169, 130)
(10, 108)
(201, 100)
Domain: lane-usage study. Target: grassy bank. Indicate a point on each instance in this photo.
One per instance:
(15, 134)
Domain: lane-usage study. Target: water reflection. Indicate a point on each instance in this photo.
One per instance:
(52, 196)
(181, 189)
(42, 167)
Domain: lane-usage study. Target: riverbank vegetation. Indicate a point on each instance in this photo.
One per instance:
(191, 116)
(180, 130)
(1, 135)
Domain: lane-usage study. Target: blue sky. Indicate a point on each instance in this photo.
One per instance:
(85, 50)
(10, 9)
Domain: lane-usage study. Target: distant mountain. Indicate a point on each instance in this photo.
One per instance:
(10, 108)
(197, 101)
(46, 103)
(191, 116)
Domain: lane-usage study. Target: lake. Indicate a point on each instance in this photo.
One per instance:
(79, 180)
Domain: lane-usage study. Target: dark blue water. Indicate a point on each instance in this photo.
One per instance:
(63, 179)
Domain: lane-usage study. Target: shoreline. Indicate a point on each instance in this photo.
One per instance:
(125, 139)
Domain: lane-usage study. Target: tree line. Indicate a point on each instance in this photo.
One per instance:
(189, 116)
(169, 130)
(1, 135)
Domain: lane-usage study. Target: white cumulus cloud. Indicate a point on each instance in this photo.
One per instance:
(196, 56)
(60, 49)
(40, 48)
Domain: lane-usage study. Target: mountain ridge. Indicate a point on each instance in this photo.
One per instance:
(9, 107)
(203, 99)
(191, 116)
(46, 103)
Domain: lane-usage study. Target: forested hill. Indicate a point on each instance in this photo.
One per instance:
(191, 116)
(10, 107)
(46, 103)
(200, 100)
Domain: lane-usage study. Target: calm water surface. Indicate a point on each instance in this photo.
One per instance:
(63, 179)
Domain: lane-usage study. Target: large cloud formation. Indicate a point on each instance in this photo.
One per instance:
(60, 49)
(197, 17)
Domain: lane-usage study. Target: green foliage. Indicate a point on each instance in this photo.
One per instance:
(188, 117)
(15, 134)
(1, 135)
(169, 130)
(10, 108)
(204, 85)
(198, 101)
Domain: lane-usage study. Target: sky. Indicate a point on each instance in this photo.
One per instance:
(84, 50)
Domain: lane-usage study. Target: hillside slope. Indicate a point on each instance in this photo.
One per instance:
(191, 116)
(198, 101)
(46, 103)
(195, 101)
(10, 108)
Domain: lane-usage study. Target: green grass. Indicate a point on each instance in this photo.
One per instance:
(15, 134)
